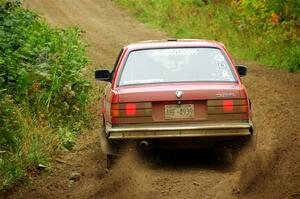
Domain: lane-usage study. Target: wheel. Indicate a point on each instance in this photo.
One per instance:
(247, 143)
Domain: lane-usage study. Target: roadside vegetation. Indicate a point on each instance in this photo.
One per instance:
(43, 91)
(265, 31)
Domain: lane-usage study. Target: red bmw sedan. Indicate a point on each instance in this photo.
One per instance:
(174, 93)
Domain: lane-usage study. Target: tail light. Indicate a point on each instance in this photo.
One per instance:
(131, 112)
(130, 109)
(228, 109)
(228, 105)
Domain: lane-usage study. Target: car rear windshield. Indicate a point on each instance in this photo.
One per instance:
(176, 65)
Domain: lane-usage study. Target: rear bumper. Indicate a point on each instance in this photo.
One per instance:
(180, 130)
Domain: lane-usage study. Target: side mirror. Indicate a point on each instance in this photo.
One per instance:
(242, 70)
(103, 75)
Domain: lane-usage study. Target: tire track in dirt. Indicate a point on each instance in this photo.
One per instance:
(197, 174)
(276, 99)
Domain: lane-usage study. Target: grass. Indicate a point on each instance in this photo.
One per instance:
(273, 45)
(44, 94)
(29, 143)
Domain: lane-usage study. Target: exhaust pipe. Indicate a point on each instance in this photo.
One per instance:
(145, 144)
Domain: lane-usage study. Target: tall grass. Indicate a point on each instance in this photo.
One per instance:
(245, 28)
(25, 143)
(43, 91)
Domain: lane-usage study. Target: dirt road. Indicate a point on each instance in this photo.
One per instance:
(275, 94)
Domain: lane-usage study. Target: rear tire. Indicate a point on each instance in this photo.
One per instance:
(248, 144)
(244, 150)
(238, 149)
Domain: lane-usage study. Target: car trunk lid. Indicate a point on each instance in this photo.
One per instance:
(167, 92)
(196, 102)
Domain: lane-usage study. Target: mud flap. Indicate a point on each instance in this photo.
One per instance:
(106, 146)
(253, 138)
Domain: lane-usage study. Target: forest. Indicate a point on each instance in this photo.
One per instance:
(264, 31)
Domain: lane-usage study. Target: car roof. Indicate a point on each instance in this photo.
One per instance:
(172, 43)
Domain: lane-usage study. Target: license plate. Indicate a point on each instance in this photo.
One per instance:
(184, 111)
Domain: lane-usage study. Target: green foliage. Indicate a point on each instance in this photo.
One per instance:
(42, 66)
(67, 138)
(43, 91)
(11, 131)
(261, 11)
(265, 31)
(23, 143)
